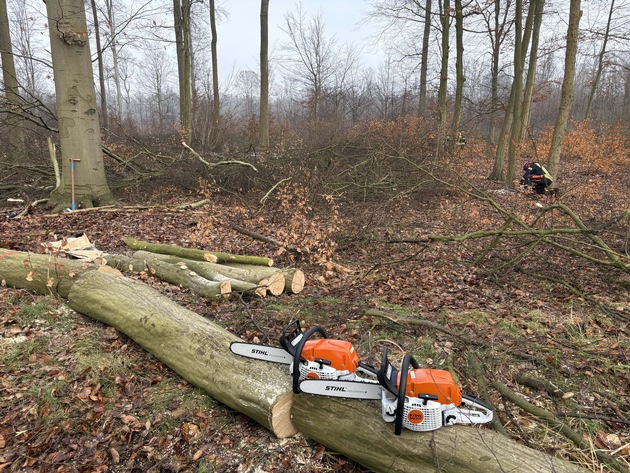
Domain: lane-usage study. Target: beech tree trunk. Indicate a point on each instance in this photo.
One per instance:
(274, 283)
(293, 277)
(192, 346)
(44, 274)
(357, 430)
(83, 168)
(195, 254)
(182, 276)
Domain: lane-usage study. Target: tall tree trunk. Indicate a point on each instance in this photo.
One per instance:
(497, 174)
(508, 129)
(79, 128)
(187, 99)
(566, 98)
(459, 67)
(15, 142)
(111, 18)
(517, 86)
(600, 63)
(264, 74)
(445, 18)
(531, 70)
(181, 16)
(216, 104)
(101, 71)
(424, 61)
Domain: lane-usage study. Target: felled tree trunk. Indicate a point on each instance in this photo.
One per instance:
(44, 274)
(191, 345)
(356, 429)
(195, 254)
(293, 277)
(273, 284)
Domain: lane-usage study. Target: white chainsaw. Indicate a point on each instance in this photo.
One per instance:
(311, 358)
(418, 399)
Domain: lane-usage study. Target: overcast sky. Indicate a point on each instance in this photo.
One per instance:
(239, 34)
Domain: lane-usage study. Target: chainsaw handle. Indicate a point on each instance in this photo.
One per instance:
(402, 392)
(297, 355)
(387, 374)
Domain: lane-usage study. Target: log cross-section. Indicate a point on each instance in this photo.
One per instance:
(190, 345)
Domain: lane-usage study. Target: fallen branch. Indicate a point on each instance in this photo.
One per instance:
(220, 163)
(556, 423)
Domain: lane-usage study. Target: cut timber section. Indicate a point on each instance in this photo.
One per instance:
(356, 429)
(161, 248)
(293, 277)
(192, 346)
(195, 254)
(274, 284)
(44, 274)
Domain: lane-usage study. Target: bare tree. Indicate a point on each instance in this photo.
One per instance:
(216, 104)
(445, 20)
(15, 136)
(566, 98)
(600, 62)
(263, 137)
(312, 59)
(101, 69)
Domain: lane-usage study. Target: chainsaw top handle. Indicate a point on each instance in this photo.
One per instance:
(297, 353)
(402, 390)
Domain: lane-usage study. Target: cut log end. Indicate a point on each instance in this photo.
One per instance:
(280, 421)
(275, 284)
(225, 287)
(297, 282)
(209, 257)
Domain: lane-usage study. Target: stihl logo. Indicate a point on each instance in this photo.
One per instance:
(336, 388)
(259, 352)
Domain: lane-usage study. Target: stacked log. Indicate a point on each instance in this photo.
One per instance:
(258, 272)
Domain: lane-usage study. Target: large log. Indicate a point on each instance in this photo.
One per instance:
(44, 274)
(356, 429)
(190, 344)
(273, 284)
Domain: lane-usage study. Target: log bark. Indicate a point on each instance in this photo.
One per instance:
(195, 254)
(182, 276)
(293, 277)
(44, 274)
(357, 430)
(190, 253)
(192, 346)
(275, 284)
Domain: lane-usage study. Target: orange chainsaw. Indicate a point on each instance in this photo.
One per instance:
(311, 358)
(418, 399)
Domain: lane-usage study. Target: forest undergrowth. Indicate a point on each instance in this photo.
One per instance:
(507, 309)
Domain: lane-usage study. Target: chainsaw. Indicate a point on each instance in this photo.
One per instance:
(312, 358)
(418, 399)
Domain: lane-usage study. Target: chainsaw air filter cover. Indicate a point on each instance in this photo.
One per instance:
(422, 416)
(437, 382)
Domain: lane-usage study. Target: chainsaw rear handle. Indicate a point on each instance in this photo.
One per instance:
(297, 354)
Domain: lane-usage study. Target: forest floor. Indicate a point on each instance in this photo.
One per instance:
(79, 396)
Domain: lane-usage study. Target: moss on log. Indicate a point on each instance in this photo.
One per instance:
(191, 345)
(275, 284)
(190, 253)
(43, 274)
(357, 430)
